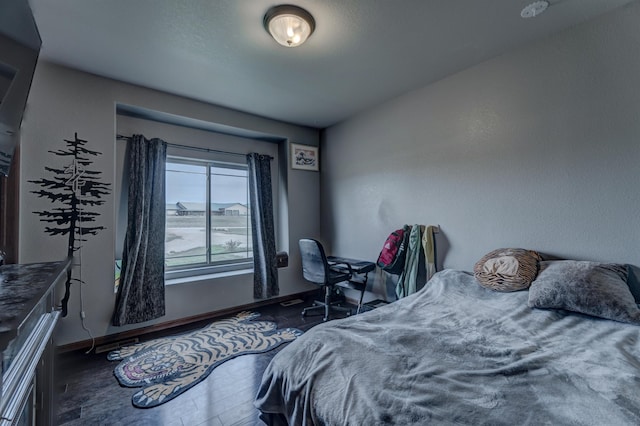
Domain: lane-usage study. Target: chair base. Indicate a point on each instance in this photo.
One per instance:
(322, 308)
(327, 306)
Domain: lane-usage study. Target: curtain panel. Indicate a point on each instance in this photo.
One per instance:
(265, 271)
(141, 293)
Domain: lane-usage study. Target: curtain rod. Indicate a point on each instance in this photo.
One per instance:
(193, 148)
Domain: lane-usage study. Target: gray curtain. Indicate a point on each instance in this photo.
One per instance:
(141, 293)
(265, 271)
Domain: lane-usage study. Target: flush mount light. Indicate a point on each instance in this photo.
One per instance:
(534, 9)
(289, 25)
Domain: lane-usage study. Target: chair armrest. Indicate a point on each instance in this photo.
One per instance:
(341, 268)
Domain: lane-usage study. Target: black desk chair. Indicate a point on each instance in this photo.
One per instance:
(317, 270)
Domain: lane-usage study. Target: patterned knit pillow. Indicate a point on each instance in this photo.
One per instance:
(507, 269)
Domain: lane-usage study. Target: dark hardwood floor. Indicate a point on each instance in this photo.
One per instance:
(89, 394)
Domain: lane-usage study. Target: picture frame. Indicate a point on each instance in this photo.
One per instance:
(305, 157)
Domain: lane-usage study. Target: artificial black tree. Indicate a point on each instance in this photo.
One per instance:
(75, 188)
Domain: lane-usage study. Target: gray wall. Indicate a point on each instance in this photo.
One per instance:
(64, 101)
(538, 148)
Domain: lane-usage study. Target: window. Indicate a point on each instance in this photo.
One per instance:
(208, 226)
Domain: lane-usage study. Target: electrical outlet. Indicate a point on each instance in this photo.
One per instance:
(282, 259)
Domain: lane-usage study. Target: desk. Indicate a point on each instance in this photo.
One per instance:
(27, 322)
(360, 273)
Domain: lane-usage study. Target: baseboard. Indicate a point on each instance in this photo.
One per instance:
(108, 347)
(130, 334)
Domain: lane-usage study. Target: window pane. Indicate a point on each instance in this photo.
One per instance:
(230, 220)
(186, 235)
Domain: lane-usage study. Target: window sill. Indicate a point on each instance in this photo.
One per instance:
(207, 277)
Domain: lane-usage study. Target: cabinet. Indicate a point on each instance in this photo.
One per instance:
(27, 321)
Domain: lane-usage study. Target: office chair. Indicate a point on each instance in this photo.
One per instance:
(317, 270)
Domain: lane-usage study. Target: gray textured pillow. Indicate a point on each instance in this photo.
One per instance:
(591, 288)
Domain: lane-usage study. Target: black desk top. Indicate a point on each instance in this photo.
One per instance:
(21, 289)
(358, 266)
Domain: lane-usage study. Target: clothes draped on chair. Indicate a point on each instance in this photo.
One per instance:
(429, 247)
(407, 282)
(141, 292)
(416, 270)
(265, 272)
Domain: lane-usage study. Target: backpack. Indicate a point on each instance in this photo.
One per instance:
(394, 250)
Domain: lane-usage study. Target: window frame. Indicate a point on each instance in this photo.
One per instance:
(208, 267)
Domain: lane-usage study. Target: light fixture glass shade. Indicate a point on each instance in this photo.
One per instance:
(289, 25)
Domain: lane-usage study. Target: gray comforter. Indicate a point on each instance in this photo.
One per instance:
(456, 353)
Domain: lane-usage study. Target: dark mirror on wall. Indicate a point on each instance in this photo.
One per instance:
(19, 49)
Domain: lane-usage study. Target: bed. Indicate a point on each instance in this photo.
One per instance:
(458, 353)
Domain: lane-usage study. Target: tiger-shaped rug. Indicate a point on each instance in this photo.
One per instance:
(169, 366)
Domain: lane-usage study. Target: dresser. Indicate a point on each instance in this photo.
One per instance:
(27, 322)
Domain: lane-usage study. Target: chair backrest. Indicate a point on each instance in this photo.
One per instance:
(314, 261)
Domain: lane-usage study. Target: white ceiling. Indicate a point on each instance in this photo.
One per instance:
(362, 52)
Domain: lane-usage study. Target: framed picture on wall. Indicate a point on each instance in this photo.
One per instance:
(304, 157)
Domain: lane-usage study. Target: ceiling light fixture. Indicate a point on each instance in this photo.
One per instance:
(534, 9)
(289, 25)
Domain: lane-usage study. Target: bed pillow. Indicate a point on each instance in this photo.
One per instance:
(507, 269)
(633, 282)
(591, 288)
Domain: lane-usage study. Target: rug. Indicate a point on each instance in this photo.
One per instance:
(169, 366)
